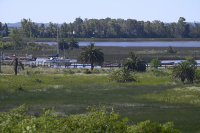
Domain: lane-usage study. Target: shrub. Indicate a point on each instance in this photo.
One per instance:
(155, 63)
(29, 72)
(17, 87)
(78, 71)
(122, 75)
(96, 70)
(170, 49)
(36, 72)
(184, 71)
(191, 61)
(103, 70)
(134, 63)
(37, 80)
(87, 72)
(17, 120)
(158, 73)
(69, 71)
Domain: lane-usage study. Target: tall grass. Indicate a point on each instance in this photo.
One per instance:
(72, 93)
(188, 95)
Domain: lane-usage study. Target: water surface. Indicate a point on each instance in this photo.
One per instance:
(141, 44)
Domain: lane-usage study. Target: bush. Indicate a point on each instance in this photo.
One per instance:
(29, 72)
(87, 72)
(184, 71)
(122, 75)
(158, 73)
(134, 63)
(37, 80)
(96, 70)
(170, 49)
(103, 71)
(155, 63)
(17, 87)
(17, 120)
(78, 71)
(70, 71)
(191, 61)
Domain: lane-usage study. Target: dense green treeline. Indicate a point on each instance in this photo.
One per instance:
(108, 28)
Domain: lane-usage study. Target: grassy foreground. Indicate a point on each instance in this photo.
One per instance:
(155, 96)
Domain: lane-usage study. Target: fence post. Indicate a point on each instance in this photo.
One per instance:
(0, 66)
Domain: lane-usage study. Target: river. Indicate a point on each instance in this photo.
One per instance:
(141, 44)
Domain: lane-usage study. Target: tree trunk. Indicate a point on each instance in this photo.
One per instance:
(92, 66)
(16, 64)
(182, 79)
(0, 65)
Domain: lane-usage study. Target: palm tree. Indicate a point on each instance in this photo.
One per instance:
(73, 43)
(184, 71)
(91, 54)
(134, 62)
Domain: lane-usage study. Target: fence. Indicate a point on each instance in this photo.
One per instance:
(76, 64)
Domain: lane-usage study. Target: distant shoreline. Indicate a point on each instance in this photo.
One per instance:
(109, 39)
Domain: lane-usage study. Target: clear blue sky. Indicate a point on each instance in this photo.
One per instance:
(59, 11)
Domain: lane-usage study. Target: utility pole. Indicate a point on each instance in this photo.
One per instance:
(64, 51)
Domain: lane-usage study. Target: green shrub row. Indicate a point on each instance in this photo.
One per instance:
(98, 121)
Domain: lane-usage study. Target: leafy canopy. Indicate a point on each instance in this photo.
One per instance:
(98, 121)
(184, 71)
(191, 61)
(122, 75)
(63, 44)
(91, 54)
(155, 63)
(134, 62)
(73, 43)
(170, 49)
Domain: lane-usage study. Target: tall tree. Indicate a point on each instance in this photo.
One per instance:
(42, 30)
(5, 30)
(63, 44)
(63, 30)
(73, 43)
(16, 40)
(182, 28)
(14, 31)
(91, 54)
(148, 29)
(30, 29)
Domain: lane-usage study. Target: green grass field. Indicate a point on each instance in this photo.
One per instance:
(154, 97)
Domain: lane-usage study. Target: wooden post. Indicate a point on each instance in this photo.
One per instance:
(0, 65)
(16, 64)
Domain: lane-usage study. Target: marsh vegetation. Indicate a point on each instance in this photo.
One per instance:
(154, 96)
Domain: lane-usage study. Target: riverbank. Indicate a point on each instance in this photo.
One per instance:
(109, 39)
(116, 54)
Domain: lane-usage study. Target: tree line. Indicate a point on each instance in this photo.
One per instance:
(107, 28)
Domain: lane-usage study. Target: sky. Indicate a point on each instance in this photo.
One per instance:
(59, 11)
